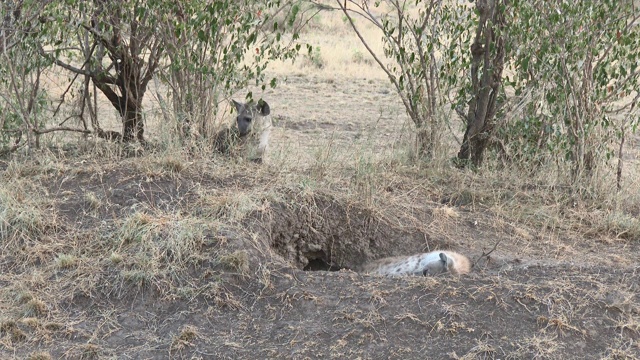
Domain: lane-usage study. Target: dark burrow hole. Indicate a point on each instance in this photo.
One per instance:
(320, 265)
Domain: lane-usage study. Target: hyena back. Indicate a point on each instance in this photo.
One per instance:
(250, 134)
(427, 264)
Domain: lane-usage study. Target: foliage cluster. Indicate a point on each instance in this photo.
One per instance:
(539, 82)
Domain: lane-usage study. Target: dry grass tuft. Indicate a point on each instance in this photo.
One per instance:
(620, 225)
(559, 323)
(35, 166)
(173, 164)
(624, 352)
(22, 214)
(7, 325)
(445, 212)
(630, 323)
(116, 258)
(53, 326)
(230, 205)
(13, 331)
(23, 297)
(84, 351)
(151, 248)
(39, 355)
(35, 308)
(163, 238)
(139, 278)
(481, 350)
(135, 228)
(31, 322)
(65, 261)
(237, 261)
(169, 163)
(92, 200)
(188, 334)
(541, 346)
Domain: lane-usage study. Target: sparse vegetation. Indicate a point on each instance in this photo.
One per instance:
(237, 261)
(35, 307)
(65, 261)
(313, 57)
(93, 201)
(172, 250)
(115, 258)
(360, 58)
(187, 336)
(39, 355)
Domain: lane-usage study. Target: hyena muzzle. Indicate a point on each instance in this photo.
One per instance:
(250, 135)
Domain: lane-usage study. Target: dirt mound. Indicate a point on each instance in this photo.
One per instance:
(156, 267)
(322, 233)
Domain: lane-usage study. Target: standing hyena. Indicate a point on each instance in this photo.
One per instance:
(433, 263)
(250, 135)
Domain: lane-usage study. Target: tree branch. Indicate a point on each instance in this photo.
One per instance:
(62, 64)
(61, 128)
(392, 77)
(114, 98)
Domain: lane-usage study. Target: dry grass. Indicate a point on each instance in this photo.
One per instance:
(39, 355)
(65, 261)
(481, 350)
(104, 226)
(22, 211)
(188, 334)
(341, 55)
(537, 347)
(35, 307)
(92, 200)
(237, 261)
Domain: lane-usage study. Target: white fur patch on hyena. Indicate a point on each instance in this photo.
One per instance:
(427, 264)
(249, 136)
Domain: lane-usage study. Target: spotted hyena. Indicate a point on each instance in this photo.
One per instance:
(427, 264)
(249, 137)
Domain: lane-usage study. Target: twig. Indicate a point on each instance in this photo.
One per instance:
(620, 161)
(392, 78)
(61, 128)
(486, 255)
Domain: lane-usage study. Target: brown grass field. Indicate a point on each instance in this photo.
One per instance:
(104, 255)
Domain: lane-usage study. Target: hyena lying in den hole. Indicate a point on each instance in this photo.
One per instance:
(250, 135)
(427, 264)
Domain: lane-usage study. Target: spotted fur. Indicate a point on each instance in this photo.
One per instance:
(427, 264)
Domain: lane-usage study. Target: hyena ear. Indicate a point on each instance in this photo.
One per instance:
(446, 260)
(263, 107)
(238, 105)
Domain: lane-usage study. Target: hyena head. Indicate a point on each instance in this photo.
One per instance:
(252, 117)
(438, 267)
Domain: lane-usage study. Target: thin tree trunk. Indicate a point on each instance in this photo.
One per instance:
(486, 74)
(133, 126)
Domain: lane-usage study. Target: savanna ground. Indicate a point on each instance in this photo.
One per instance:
(173, 255)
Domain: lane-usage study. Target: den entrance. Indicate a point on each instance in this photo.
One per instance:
(322, 234)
